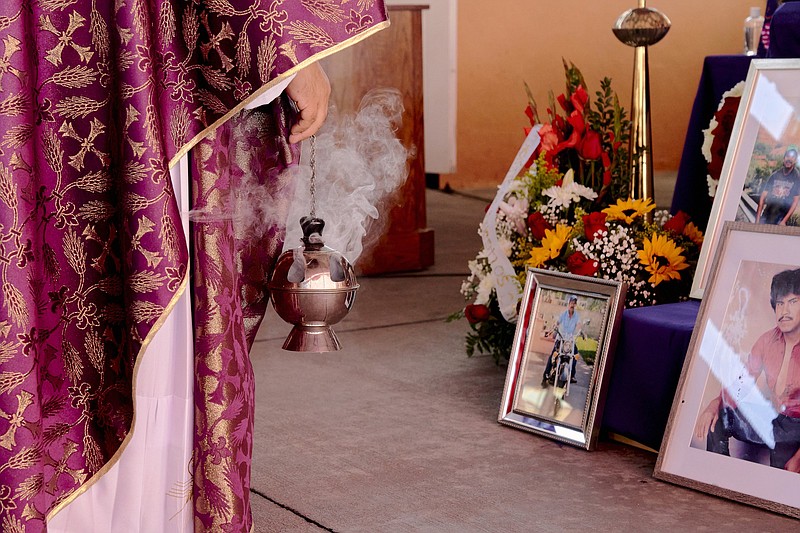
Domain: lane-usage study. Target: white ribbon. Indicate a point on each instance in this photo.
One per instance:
(507, 286)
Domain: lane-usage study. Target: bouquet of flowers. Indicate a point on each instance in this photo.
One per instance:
(568, 210)
(718, 134)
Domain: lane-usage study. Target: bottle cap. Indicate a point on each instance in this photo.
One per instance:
(755, 12)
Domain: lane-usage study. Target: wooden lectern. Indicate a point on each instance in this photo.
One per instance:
(392, 58)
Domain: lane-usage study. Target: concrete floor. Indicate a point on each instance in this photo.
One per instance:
(398, 431)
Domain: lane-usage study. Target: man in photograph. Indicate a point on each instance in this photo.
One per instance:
(781, 193)
(776, 355)
(569, 326)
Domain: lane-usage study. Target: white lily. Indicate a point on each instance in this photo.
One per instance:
(568, 192)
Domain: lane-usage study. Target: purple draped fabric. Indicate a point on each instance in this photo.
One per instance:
(232, 261)
(96, 100)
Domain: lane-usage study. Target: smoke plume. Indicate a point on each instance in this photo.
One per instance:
(359, 163)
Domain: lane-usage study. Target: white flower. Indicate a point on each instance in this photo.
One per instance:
(736, 90)
(660, 217)
(517, 186)
(568, 192)
(516, 211)
(712, 186)
(506, 246)
(475, 269)
(708, 140)
(485, 289)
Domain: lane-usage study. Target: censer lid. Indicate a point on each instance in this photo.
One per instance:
(312, 266)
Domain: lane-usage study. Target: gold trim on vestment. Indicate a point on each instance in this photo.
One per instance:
(267, 86)
(114, 458)
(168, 309)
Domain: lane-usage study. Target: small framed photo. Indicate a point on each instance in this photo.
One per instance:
(561, 356)
(760, 179)
(734, 427)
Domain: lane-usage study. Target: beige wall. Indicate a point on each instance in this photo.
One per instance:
(505, 42)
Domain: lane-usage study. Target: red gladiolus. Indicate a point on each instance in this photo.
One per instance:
(549, 137)
(529, 114)
(607, 178)
(677, 222)
(538, 224)
(578, 126)
(579, 264)
(579, 99)
(593, 223)
(476, 313)
(577, 121)
(591, 148)
(607, 169)
(562, 101)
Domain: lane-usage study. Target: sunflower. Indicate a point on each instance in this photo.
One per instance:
(539, 256)
(662, 258)
(554, 239)
(552, 243)
(693, 233)
(629, 209)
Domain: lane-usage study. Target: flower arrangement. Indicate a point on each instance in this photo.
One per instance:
(718, 134)
(568, 210)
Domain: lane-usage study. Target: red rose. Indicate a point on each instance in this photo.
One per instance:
(476, 313)
(538, 224)
(577, 263)
(590, 147)
(592, 223)
(677, 222)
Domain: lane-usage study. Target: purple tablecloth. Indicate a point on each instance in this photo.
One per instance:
(647, 365)
(720, 74)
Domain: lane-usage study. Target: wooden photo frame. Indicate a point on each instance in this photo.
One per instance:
(734, 427)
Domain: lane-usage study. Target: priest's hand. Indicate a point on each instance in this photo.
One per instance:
(310, 90)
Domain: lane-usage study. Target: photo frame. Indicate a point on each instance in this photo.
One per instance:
(729, 432)
(766, 128)
(572, 322)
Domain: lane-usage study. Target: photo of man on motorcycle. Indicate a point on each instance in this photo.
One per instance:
(566, 329)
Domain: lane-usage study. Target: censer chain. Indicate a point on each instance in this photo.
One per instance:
(313, 186)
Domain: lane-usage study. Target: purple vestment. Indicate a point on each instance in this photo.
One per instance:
(97, 100)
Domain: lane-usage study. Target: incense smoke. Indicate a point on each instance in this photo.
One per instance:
(360, 162)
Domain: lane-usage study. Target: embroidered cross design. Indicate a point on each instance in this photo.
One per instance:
(65, 39)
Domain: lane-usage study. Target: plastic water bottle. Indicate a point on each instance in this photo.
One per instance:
(752, 31)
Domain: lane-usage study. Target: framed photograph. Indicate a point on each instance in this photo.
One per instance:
(561, 356)
(734, 428)
(760, 179)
